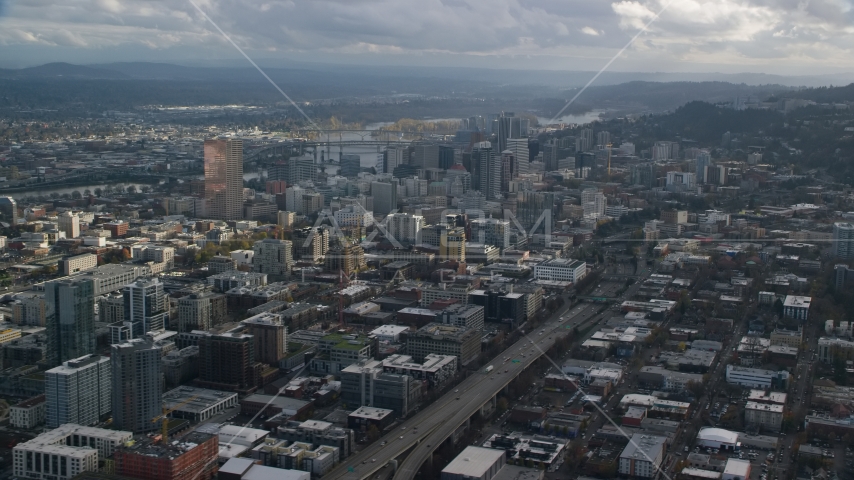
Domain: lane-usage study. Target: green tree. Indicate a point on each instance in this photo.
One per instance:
(373, 433)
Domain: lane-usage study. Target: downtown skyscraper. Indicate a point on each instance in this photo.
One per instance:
(224, 178)
(69, 319)
(136, 384)
(145, 306)
(488, 169)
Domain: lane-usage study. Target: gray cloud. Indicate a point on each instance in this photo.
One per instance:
(789, 33)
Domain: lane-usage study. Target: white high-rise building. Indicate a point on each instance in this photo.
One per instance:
(843, 240)
(521, 155)
(405, 227)
(593, 202)
(70, 224)
(78, 391)
(395, 156)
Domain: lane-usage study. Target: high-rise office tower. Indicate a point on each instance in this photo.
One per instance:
(8, 210)
(385, 197)
(425, 155)
(511, 126)
(446, 157)
(489, 170)
(69, 319)
(270, 336)
(146, 306)
(227, 362)
(224, 178)
(273, 257)
(643, 174)
(350, 165)
(395, 156)
(843, 240)
(137, 388)
(70, 224)
(78, 391)
(519, 147)
(531, 206)
(508, 167)
(300, 169)
(704, 161)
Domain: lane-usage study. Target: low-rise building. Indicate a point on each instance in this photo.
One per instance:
(475, 463)
(78, 263)
(364, 417)
(66, 451)
(830, 348)
(561, 269)
(464, 343)
(763, 415)
(797, 307)
(28, 414)
(757, 377)
(542, 451)
(789, 338)
(198, 404)
(192, 456)
(435, 370)
(642, 456)
(736, 470)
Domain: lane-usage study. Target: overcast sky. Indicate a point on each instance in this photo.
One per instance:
(770, 36)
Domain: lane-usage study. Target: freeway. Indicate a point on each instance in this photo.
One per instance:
(433, 425)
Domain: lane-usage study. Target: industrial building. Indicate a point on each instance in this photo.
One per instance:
(475, 463)
(198, 404)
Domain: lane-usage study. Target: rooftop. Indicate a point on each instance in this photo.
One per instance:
(646, 447)
(474, 462)
(766, 397)
(764, 406)
(797, 301)
(172, 450)
(371, 412)
(194, 400)
(738, 468)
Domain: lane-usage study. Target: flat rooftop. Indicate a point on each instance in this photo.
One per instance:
(371, 413)
(473, 462)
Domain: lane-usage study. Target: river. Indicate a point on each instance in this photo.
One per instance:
(369, 156)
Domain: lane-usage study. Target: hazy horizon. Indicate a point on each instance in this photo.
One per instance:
(784, 37)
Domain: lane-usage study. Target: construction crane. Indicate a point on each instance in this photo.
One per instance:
(164, 416)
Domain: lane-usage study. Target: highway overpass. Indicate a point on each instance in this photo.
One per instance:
(418, 437)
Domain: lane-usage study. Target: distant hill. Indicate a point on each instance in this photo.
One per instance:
(66, 70)
(663, 96)
(706, 123)
(825, 94)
